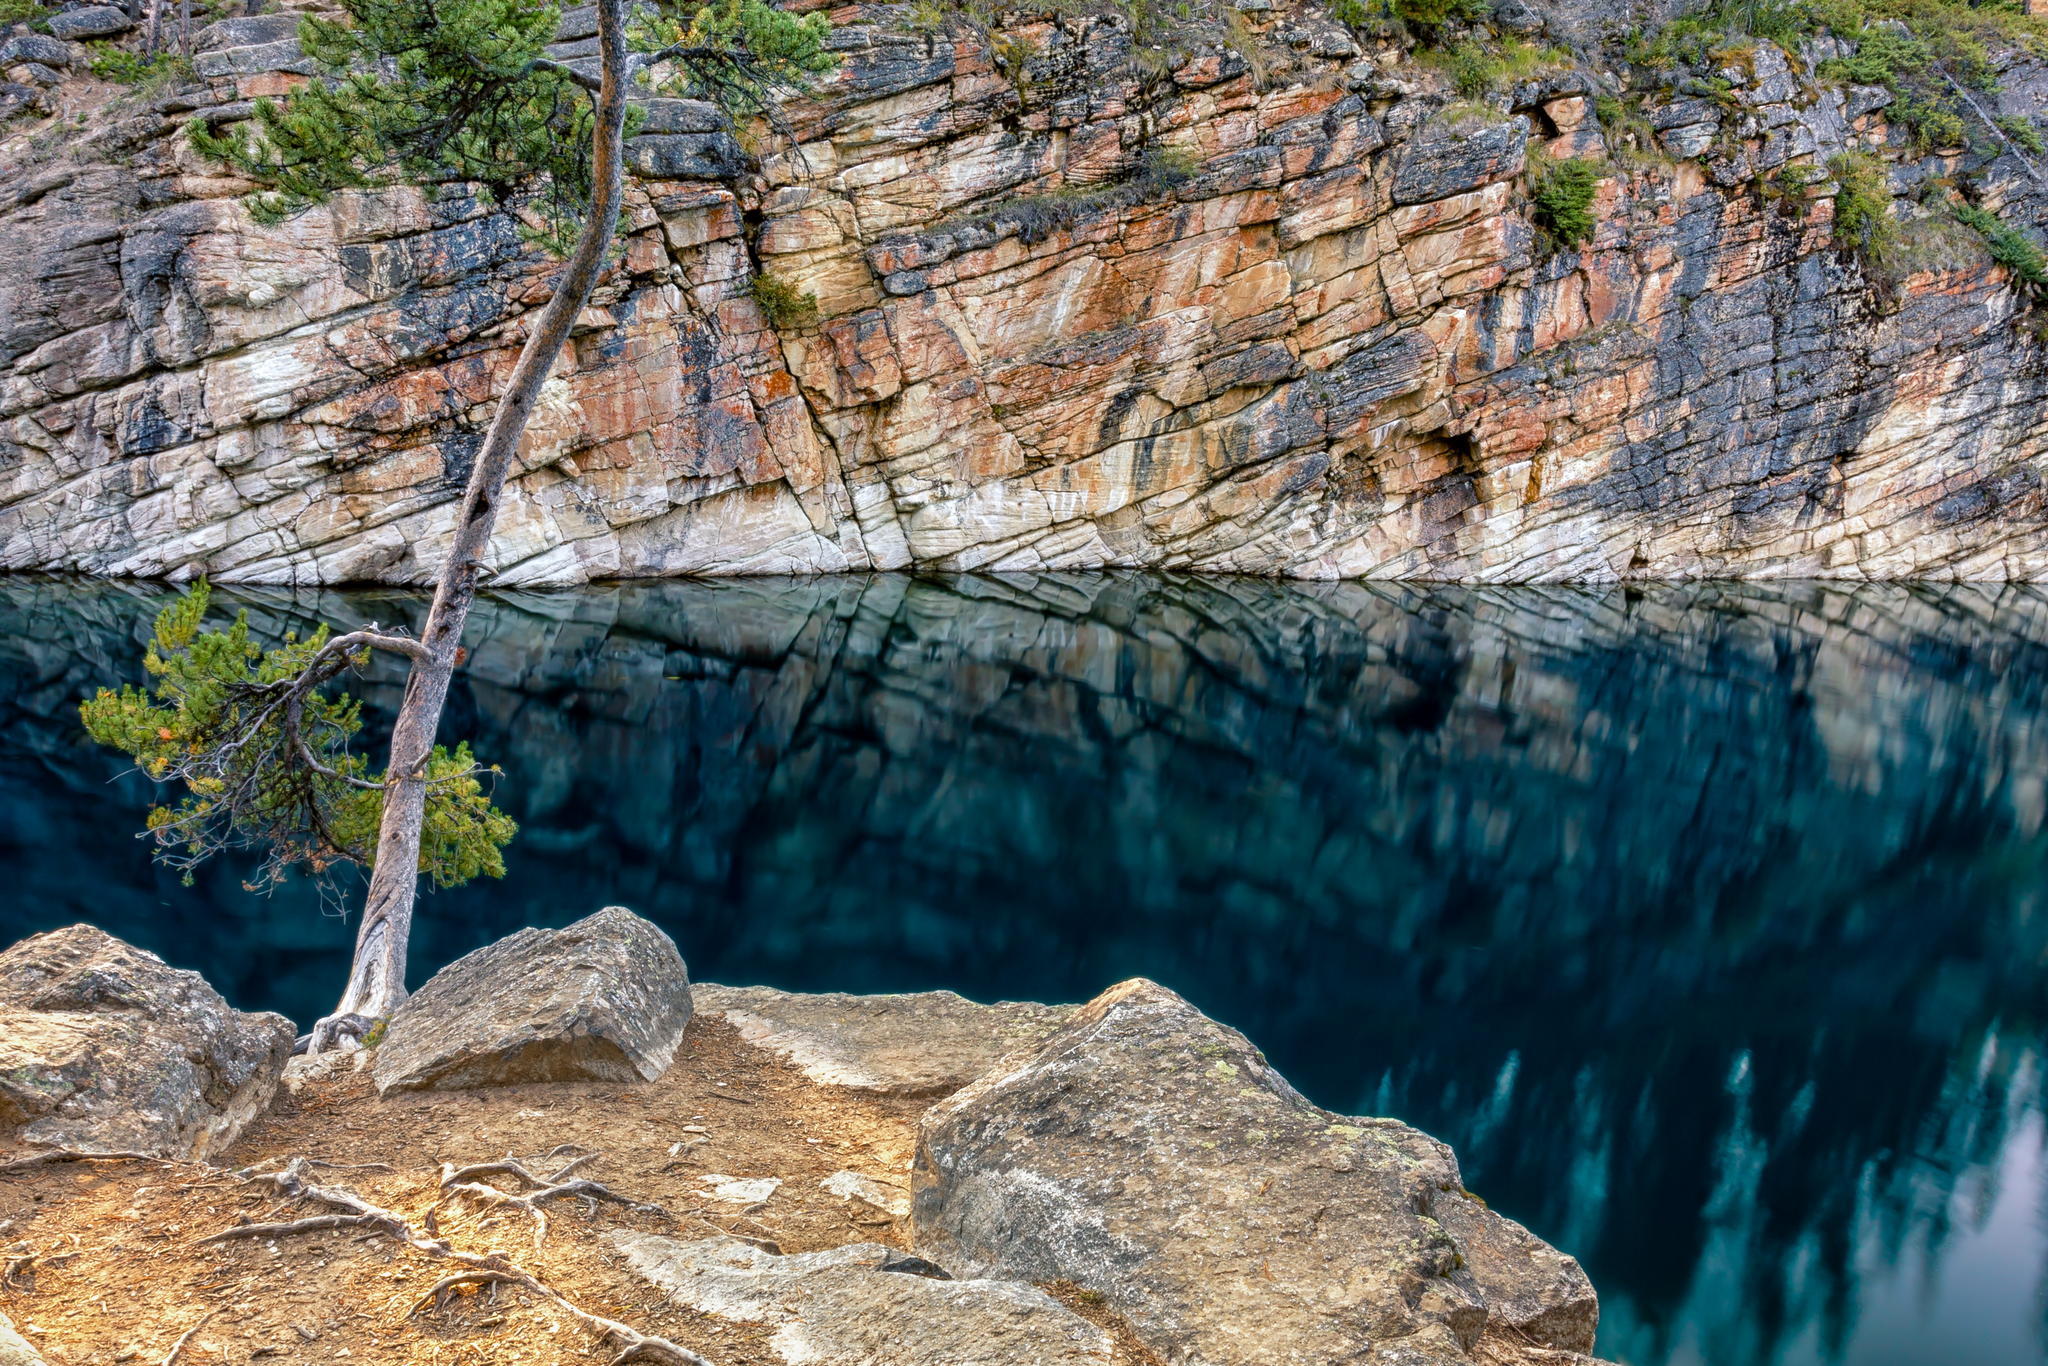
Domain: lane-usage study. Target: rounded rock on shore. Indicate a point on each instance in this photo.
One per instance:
(107, 1048)
(604, 999)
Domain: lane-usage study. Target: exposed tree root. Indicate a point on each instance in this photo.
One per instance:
(56, 1155)
(478, 1268)
(462, 1181)
(319, 1223)
(18, 1265)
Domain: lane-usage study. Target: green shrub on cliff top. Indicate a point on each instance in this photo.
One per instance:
(29, 12)
(1926, 52)
(1434, 14)
(1480, 66)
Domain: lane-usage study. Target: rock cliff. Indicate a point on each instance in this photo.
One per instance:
(1269, 298)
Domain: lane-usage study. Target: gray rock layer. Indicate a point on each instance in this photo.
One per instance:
(1151, 1154)
(846, 1308)
(104, 1047)
(605, 999)
(925, 1043)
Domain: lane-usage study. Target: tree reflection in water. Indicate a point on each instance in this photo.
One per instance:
(1705, 921)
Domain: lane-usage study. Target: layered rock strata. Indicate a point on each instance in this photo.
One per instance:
(1281, 308)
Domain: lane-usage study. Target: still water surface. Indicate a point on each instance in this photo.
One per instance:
(1707, 922)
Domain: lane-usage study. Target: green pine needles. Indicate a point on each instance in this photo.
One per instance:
(263, 755)
(1864, 222)
(424, 91)
(2008, 246)
(1561, 194)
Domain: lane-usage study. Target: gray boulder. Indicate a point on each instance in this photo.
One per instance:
(605, 999)
(685, 156)
(661, 115)
(34, 47)
(106, 1048)
(16, 98)
(1151, 1155)
(90, 21)
(850, 1305)
(14, 1348)
(926, 1043)
(1449, 158)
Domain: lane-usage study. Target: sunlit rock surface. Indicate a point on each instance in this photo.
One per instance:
(604, 999)
(923, 1043)
(864, 1303)
(106, 1048)
(1335, 350)
(1153, 1156)
(14, 1349)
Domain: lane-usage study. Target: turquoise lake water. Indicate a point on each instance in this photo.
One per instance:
(1707, 922)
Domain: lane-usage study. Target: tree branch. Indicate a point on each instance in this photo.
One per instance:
(377, 640)
(590, 83)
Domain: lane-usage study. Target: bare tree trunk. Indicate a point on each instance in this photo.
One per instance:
(376, 982)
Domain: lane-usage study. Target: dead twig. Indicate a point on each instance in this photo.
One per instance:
(178, 1347)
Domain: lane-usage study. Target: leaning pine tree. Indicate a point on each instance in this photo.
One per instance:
(419, 91)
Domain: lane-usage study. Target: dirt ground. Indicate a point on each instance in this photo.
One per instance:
(103, 1265)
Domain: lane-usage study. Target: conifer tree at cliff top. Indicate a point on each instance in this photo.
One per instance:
(419, 91)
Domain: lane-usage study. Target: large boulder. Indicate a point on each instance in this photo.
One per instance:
(925, 1043)
(605, 999)
(106, 1048)
(90, 21)
(34, 47)
(14, 1348)
(852, 1305)
(1151, 1155)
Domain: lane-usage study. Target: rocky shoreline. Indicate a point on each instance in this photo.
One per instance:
(903, 1180)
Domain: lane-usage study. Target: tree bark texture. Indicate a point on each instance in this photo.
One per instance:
(376, 984)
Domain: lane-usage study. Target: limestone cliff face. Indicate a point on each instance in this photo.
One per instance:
(1335, 348)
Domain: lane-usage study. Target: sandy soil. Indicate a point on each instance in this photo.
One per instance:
(104, 1264)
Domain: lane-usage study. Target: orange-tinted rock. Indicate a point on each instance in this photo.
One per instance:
(1336, 347)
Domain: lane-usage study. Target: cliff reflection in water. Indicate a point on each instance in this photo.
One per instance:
(1706, 921)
